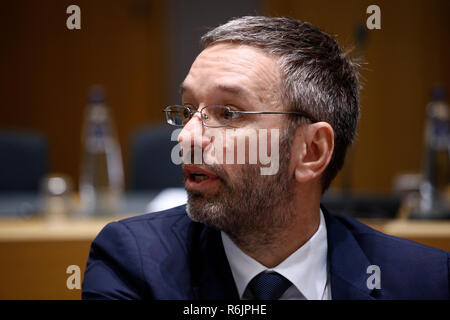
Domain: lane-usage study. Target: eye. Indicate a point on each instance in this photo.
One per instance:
(186, 113)
(189, 109)
(229, 114)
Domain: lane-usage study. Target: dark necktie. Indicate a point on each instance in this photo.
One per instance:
(268, 286)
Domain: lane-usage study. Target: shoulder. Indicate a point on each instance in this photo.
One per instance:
(407, 267)
(368, 238)
(150, 226)
(161, 221)
(165, 217)
(156, 233)
(125, 253)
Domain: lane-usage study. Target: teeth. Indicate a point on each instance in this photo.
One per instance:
(199, 177)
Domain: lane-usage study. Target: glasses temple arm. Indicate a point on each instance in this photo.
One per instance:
(304, 114)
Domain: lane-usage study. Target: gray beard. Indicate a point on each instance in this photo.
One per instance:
(252, 209)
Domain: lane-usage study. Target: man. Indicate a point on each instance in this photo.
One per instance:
(247, 235)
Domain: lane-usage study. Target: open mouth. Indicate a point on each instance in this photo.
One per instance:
(198, 178)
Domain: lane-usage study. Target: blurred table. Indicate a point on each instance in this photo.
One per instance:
(26, 205)
(35, 253)
(434, 233)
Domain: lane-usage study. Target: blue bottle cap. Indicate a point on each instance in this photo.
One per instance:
(97, 94)
(438, 93)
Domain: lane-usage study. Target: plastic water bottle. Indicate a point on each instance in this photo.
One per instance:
(101, 180)
(435, 188)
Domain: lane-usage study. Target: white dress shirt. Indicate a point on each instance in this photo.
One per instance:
(306, 268)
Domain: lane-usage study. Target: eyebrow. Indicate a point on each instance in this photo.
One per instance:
(235, 90)
(231, 89)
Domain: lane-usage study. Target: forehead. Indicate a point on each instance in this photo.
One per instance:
(233, 69)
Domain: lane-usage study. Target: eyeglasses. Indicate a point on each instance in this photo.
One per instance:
(216, 116)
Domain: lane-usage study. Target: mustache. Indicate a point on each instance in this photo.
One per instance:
(218, 170)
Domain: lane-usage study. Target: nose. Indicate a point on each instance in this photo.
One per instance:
(192, 135)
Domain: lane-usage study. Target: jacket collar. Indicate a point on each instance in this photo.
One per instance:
(347, 262)
(211, 277)
(348, 265)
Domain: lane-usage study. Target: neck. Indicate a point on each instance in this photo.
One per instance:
(271, 247)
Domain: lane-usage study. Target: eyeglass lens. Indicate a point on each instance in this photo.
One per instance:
(212, 116)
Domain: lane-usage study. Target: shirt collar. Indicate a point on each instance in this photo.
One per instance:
(306, 268)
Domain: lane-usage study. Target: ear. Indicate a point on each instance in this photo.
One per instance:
(315, 151)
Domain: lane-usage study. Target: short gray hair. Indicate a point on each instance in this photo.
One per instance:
(317, 75)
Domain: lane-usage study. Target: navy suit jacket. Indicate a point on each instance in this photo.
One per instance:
(166, 255)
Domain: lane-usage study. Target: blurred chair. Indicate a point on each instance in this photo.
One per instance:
(362, 205)
(23, 161)
(151, 166)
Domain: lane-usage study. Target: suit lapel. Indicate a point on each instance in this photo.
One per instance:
(210, 276)
(202, 270)
(215, 281)
(347, 263)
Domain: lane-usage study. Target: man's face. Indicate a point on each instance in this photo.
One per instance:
(235, 197)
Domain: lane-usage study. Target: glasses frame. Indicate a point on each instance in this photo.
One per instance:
(203, 116)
